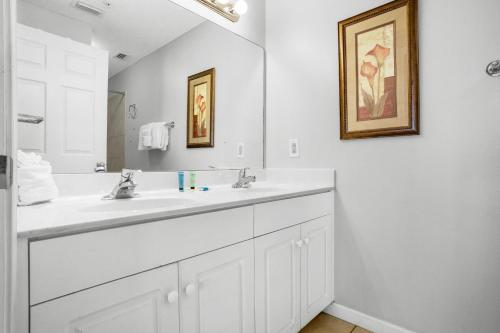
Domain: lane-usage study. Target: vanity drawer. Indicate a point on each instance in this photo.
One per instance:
(64, 265)
(282, 214)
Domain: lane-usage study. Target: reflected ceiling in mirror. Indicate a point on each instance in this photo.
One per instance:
(122, 84)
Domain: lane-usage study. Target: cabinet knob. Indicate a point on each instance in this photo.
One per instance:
(300, 243)
(189, 290)
(306, 241)
(172, 296)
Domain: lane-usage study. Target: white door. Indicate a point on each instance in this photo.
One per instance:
(316, 267)
(64, 82)
(277, 282)
(35, 86)
(7, 194)
(144, 303)
(217, 291)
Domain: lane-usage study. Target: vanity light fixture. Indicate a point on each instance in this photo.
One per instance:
(95, 7)
(230, 9)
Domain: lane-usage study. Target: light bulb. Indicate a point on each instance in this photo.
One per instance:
(241, 7)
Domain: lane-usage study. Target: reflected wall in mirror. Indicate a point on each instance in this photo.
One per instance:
(113, 87)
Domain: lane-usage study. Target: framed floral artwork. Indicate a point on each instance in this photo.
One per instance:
(201, 110)
(378, 63)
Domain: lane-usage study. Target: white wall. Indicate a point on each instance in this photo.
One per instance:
(251, 25)
(157, 84)
(417, 218)
(43, 19)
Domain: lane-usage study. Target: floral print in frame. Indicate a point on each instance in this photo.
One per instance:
(378, 58)
(201, 110)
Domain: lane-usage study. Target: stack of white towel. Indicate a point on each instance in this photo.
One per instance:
(153, 136)
(35, 181)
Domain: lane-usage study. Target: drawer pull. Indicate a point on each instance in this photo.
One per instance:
(190, 288)
(172, 297)
(300, 243)
(306, 241)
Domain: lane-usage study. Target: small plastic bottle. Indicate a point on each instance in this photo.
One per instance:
(180, 174)
(192, 180)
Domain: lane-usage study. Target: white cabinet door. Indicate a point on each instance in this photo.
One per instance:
(277, 282)
(316, 267)
(217, 291)
(145, 303)
(66, 83)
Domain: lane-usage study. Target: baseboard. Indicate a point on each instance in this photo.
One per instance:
(363, 320)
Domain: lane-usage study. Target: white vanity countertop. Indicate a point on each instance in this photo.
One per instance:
(69, 215)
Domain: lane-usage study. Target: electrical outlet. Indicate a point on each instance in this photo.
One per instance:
(293, 148)
(240, 150)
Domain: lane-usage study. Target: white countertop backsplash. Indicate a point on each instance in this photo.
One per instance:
(81, 209)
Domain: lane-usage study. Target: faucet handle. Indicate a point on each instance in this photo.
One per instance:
(129, 174)
(243, 172)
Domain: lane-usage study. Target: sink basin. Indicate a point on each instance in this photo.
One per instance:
(259, 189)
(136, 204)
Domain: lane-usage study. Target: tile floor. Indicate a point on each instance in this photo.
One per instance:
(324, 323)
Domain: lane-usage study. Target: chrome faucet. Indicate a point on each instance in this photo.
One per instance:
(126, 187)
(244, 181)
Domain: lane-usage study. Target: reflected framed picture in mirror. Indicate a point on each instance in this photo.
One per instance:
(201, 110)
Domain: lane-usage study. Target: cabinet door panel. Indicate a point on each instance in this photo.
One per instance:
(218, 291)
(316, 267)
(134, 304)
(277, 282)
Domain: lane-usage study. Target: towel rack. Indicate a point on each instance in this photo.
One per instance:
(493, 68)
(30, 119)
(170, 124)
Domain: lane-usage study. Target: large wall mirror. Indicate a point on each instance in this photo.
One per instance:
(136, 84)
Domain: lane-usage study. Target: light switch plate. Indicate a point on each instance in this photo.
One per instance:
(293, 148)
(240, 150)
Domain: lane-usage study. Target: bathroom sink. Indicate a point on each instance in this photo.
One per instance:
(259, 189)
(137, 204)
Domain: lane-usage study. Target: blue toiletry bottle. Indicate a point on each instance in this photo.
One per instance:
(180, 174)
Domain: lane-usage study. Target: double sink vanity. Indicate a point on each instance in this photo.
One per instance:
(190, 96)
(226, 260)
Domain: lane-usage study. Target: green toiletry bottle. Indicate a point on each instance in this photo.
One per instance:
(192, 180)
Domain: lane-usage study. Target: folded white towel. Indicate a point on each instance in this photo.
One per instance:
(145, 137)
(35, 181)
(159, 134)
(147, 141)
(153, 136)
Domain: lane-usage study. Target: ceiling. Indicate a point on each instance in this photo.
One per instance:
(136, 28)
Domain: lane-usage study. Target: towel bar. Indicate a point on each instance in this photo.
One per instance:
(27, 118)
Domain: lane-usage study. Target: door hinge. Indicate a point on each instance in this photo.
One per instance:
(5, 172)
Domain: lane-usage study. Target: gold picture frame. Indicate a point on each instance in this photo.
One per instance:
(201, 110)
(378, 67)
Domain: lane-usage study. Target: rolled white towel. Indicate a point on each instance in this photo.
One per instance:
(38, 192)
(35, 181)
(27, 159)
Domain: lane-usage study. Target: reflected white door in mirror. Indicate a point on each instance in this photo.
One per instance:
(65, 83)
